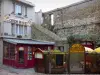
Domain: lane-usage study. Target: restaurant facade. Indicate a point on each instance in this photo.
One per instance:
(19, 53)
(15, 23)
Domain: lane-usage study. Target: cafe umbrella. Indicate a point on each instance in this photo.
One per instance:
(97, 50)
(88, 50)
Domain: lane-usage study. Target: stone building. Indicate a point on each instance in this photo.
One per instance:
(82, 18)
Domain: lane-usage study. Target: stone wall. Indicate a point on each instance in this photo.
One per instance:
(79, 18)
(41, 33)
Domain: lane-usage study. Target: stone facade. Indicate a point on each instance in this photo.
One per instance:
(76, 19)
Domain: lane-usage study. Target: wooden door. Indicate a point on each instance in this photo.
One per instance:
(30, 57)
(20, 57)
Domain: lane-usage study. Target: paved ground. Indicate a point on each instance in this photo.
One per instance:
(6, 70)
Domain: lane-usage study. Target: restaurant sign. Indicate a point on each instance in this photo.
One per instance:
(17, 20)
(77, 48)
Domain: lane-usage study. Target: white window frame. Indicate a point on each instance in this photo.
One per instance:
(30, 56)
(17, 29)
(18, 9)
(20, 30)
(25, 30)
(25, 11)
(13, 28)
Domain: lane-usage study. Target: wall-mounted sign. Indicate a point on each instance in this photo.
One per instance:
(18, 22)
(77, 48)
(8, 18)
(21, 49)
(39, 55)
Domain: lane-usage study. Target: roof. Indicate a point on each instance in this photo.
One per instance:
(26, 2)
(28, 41)
(48, 33)
(56, 52)
(51, 51)
(84, 37)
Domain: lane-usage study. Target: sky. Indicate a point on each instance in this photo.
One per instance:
(47, 5)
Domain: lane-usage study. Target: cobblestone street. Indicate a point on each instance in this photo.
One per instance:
(5, 70)
(21, 72)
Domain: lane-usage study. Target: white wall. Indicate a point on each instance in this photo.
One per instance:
(7, 28)
(31, 13)
(29, 31)
(7, 8)
(38, 18)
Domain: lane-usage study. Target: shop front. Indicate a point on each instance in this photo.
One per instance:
(89, 44)
(50, 62)
(19, 53)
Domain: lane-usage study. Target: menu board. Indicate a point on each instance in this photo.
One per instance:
(39, 55)
(76, 60)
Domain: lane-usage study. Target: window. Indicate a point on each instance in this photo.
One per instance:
(25, 30)
(12, 51)
(13, 29)
(25, 11)
(29, 53)
(61, 48)
(49, 48)
(88, 43)
(52, 19)
(18, 9)
(21, 56)
(17, 29)
(21, 30)
(6, 50)
(9, 51)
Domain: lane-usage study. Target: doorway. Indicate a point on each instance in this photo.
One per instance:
(21, 57)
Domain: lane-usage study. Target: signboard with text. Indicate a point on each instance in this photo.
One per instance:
(21, 21)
